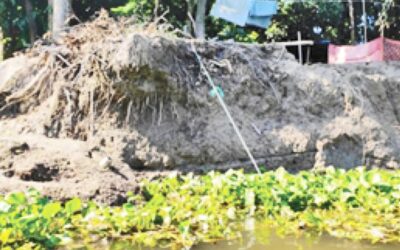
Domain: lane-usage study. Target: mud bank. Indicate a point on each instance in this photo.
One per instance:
(116, 102)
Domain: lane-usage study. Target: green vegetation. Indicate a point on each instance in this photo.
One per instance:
(23, 21)
(14, 23)
(185, 210)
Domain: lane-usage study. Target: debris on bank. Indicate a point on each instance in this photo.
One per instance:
(116, 102)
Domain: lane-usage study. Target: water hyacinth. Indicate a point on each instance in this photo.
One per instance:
(181, 211)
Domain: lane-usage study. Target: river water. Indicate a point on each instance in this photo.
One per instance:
(274, 242)
(250, 242)
(261, 237)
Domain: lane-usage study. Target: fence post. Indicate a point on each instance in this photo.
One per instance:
(300, 47)
(365, 21)
(1, 44)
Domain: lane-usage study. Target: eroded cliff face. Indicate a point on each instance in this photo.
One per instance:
(291, 115)
(115, 103)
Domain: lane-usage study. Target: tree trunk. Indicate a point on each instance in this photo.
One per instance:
(352, 23)
(31, 21)
(62, 10)
(156, 8)
(50, 15)
(201, 19)
(1, 45)
(190, 9)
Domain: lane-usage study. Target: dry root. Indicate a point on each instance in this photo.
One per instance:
(80, 64)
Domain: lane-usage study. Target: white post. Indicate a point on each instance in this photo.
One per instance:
(1, 45)
(308, 54)
(365, 21)
(300, 47)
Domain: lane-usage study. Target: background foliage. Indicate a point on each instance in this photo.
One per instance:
(307, 16)
(14, 23)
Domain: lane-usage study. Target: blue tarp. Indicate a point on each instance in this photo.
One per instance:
(235, 11)
(246, 12)
(262, 8)
(259, 21)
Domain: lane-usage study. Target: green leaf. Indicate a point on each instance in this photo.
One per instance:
(73, 206)
(5, 236)
(52, 242)
(51, 210)
(17, 199)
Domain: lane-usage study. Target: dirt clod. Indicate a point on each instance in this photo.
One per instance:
(40, 173)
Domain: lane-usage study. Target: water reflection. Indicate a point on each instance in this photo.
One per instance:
(260, 237)
(251, 242)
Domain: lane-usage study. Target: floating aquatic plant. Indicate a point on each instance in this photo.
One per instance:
(181, 211)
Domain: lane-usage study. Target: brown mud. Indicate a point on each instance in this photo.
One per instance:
(117, 102)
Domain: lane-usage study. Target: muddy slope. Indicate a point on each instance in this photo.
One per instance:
(94, 115)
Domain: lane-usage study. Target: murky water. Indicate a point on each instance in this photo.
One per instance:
(261, 237)
(273, 242)
(276, 243)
